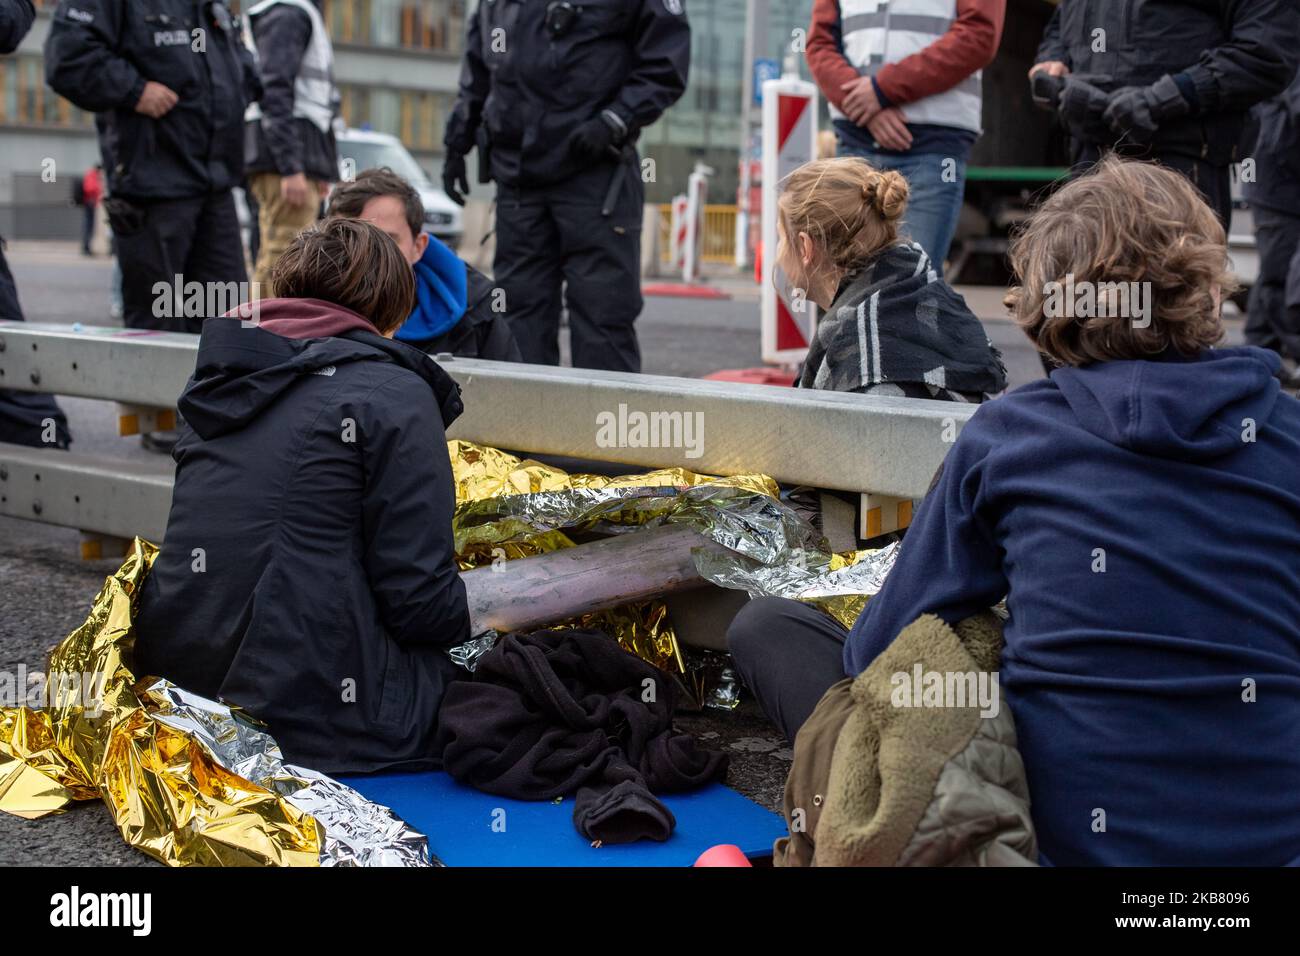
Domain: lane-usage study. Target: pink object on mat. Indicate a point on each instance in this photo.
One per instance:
(724, 854)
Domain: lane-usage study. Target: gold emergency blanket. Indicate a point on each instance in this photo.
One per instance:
(508, 508)
(192, 781)
(189, 781)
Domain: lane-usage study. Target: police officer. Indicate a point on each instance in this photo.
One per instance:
(172, 79)
(1170, 80)
(554, 94)
(26, 418)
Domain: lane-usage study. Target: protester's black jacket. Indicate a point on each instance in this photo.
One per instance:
(280, 142)
(482, 333)
(1235, 53)
(531, 91)
(16, 18)
(100, 53)
(308, 571)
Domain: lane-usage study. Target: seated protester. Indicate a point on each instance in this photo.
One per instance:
(308, 573)
(890, 324)
(454, 312)
(1140, 512)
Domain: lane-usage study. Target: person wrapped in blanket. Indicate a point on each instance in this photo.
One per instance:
(890, 324)
(454, 311)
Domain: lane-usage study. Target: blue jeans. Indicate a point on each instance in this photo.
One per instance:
(936, 184)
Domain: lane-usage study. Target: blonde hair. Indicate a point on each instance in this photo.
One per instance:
(1124, 222)
(848, 208)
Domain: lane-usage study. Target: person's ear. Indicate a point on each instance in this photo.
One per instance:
(806, 250)
(421, 244)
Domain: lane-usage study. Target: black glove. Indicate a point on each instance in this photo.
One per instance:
(1046, 90)
(1081, 105)
(1139, 110)
(593, 139)
(454, 182)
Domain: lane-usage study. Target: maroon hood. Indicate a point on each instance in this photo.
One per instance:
(309, 318)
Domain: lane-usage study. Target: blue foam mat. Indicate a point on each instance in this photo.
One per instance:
(458, 821)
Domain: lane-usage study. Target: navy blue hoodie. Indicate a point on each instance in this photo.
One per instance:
(1142, 519)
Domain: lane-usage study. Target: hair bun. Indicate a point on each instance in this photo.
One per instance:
(890, 194)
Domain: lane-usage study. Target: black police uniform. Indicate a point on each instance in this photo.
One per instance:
(169, 179)
(1221, 57)
(25, 417)
(1273, 314)
(555, 94)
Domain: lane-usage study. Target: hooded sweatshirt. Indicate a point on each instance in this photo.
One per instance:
(308, 572)
(1142, 519)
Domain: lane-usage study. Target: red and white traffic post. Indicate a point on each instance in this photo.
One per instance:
(697, 194)
(677, 232)
(788, 320)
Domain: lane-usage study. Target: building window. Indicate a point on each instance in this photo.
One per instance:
(25, 100)
(416, 117)
(406, 24)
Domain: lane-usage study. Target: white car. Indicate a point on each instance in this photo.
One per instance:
(360, 149)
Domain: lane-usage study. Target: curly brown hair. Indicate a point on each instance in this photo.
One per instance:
(350, 263)
(1123, 225)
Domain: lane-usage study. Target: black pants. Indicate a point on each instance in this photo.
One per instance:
(196, 239)
(87, 227)
(554, 247)
(26, 418)
(1214, 182)
(1273, 315)
(788, 654)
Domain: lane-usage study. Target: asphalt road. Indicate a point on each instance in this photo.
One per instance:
(45, 590)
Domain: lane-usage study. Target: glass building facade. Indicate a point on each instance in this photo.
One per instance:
(704, 125)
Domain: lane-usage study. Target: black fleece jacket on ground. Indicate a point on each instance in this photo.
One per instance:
(570, 712)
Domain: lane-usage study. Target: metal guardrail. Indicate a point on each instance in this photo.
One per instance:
(885, 447)
(94, 493)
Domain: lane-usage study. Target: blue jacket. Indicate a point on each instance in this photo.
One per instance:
(1149, 551)
(440, 294)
